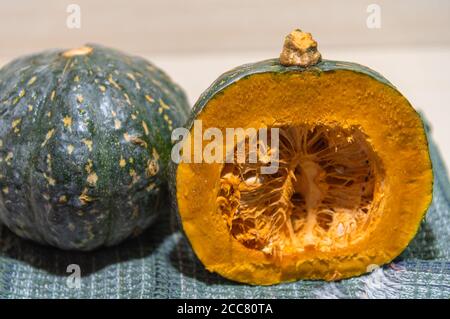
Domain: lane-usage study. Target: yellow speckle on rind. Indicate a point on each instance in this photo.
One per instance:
(144, 125)
(88, 143)
(112, 82)
(17, 98)
(48, 136)
(163, 104)
(76, 78)
(52, 95)
(122, 162)
(138, 141)
(32, 80)
(85, 198)
(88, 166)
(92, 179)
(51, 181)
(134, 176)
(127, 98)
(149, 98)
(67, 120)
(117, 124)
(155, 154)
(80, 98)
(49, 162)
(70, 148)
(14, 125)
(30, 108)
(5, 190)
(152, 168)
(9, 157)
(62, 199)
(102, 88)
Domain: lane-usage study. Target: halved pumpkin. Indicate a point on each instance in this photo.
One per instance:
(353, 183)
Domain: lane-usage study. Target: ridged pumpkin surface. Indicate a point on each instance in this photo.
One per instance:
(84, 145)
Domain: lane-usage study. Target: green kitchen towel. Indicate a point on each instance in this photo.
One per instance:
(161, 264)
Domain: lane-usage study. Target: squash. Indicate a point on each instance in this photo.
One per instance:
(354, 176)
(84, 145)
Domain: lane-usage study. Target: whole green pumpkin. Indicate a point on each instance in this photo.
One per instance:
(84, 145)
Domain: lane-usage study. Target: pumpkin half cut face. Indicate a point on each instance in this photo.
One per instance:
(353, 178)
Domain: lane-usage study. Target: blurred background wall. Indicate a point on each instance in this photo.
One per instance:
(166, 26)
(197, 40)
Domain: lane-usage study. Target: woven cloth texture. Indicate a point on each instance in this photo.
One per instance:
(160, 264)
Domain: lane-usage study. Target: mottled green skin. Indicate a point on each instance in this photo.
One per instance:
(73, 174)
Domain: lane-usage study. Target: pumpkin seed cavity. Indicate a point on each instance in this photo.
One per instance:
(322, 197)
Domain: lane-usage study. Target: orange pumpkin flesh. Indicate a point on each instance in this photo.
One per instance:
(354, 182)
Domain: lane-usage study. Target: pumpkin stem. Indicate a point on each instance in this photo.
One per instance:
(300, 49)
(84, 50)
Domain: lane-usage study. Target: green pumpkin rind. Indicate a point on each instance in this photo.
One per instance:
(84, 146)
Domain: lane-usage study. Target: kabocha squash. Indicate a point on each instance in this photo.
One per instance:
(84, 145)
(354, 176)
